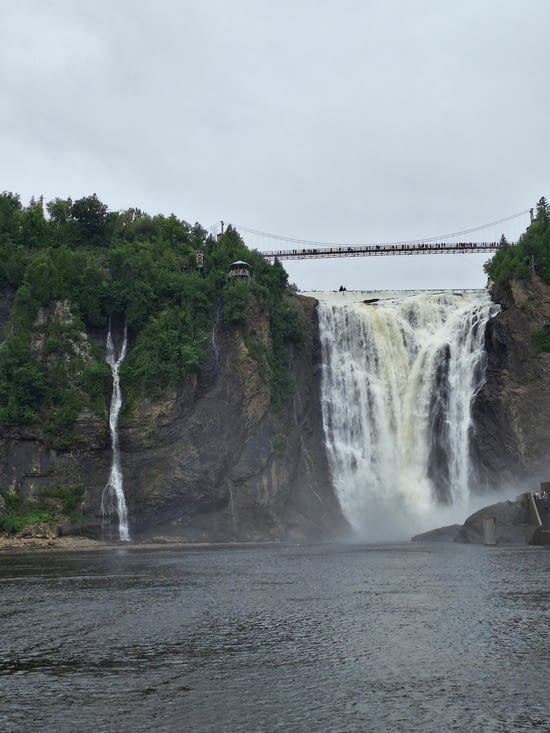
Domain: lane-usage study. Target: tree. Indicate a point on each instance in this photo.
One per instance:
(530, 254)
(23, 383)
(236, 296)
(91, 215)
(142, 269)
(43, 278)
(59, 211)
(34, 227)
(543, 210)
(10, 217)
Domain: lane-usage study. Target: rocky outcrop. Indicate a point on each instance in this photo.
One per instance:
(513, 526)
(441, 534)
(511, 413)
(211, 462)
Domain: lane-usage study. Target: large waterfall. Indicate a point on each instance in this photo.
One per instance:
(113, 500)
(399, 375)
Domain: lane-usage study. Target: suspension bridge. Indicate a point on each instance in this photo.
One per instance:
(454, 243)
(366, 250)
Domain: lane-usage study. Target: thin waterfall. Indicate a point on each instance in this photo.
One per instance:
(112, 499)
(399, 375)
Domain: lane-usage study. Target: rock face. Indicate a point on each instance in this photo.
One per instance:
(511, 413)
(441, 534)
(211, 462)
(214, 462)
(511, 521)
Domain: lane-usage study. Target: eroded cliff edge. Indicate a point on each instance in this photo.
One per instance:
(511, 413)
(212, 461)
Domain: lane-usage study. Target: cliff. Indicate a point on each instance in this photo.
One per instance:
(211, 461)
(511, 413)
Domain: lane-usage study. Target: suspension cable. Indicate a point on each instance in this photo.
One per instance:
(438, 237)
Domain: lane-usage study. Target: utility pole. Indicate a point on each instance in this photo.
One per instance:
(532, 215)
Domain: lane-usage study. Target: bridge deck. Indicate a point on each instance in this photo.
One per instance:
(376, 250)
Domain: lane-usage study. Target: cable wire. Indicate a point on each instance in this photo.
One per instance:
(435, 238)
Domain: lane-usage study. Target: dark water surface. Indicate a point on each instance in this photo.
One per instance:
(323, 638)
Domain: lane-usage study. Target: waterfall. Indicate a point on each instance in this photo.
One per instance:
(399, 375)
(113, 499)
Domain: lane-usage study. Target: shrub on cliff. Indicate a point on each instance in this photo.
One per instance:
(55, 503)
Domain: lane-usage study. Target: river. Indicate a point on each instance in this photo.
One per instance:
(404, 637)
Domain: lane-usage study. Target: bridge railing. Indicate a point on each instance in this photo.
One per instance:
(373, 250)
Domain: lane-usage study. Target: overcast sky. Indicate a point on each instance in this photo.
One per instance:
(329, 120)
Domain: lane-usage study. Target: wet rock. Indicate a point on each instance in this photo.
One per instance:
(511, 519)
(40, 531)
(511, 412)
(442, 534)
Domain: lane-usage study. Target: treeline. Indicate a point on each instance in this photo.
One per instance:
(67, 267)
(530, 255)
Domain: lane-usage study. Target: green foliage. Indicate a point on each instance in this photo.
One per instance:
(65, 499)
(34, 230)
(286, 334)
(236, 297)
(170, 348)
(43, 279)
(23, 382)
(532, 249)
(63, 408)
(259, 353)
(541, 339)
(279, 443)
(90, 214)
(19, 513)
(55, 503)
(80, 265)
(96, 381)
(10, 524)
(10, 217)
(24, 309)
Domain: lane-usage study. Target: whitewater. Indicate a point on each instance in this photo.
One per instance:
(400, 370)
(113, 500)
